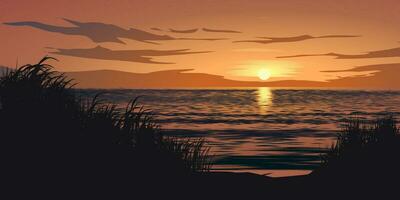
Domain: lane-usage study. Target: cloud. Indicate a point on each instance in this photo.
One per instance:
(97, 32)
(156, 29)
(203, 39)
(142, 56)
(269, 40)
(219, 30)
(196, 29)
(377, 76)
(256, 50)
(394, 52)
(184, 31)
(101, 32)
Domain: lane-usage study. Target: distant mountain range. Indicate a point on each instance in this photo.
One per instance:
(383, 77)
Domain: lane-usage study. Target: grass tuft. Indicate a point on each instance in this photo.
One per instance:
(364, 149)
(45, 124)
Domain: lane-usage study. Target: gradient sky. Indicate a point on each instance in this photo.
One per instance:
(228, 38)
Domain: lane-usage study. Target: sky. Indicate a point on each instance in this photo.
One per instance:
(245, 40)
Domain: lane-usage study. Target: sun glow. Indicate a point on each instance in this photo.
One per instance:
(263, 74)
(266, 70)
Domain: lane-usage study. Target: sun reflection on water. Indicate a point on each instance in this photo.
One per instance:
(264, 99)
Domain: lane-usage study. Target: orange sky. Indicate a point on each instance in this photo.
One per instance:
(376, 22)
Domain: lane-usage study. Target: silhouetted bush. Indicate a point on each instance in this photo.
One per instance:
(47, 129)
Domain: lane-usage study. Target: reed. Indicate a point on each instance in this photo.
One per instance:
(364, 148)
(43, 119)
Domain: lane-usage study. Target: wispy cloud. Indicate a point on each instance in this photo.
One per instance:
(97, 32)
(394, 52)
(172, 30)
(156, 29)
(184, 31)
(256, 50)
(219, 30)
(202, 39)
(367, 68)
(101, 32)
(269, 40)
(377, 76)
(142, 56)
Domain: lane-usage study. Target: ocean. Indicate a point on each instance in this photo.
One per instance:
(273, 131)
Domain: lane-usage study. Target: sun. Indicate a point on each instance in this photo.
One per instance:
(263, 74)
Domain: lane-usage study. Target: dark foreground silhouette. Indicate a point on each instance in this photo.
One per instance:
(57, 143)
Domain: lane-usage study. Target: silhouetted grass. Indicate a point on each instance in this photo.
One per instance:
(364, 149)
(196, 155)
(47, 129)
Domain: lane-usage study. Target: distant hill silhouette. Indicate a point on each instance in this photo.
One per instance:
(170, 79)
(3, 69)
(382, 76)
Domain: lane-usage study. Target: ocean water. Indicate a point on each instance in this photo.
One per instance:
(273, 131)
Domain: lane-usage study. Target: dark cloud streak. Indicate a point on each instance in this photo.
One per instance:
(269, 40)
(184, 31)
(101, 32)
(156, 29)
(97, 32)
(394, 52)
(219, 30)
(378, 76)
(141, 56)
(203, 39)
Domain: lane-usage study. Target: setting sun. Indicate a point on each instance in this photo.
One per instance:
(263, 74)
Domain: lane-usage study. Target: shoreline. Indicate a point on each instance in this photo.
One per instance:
(273, 173)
